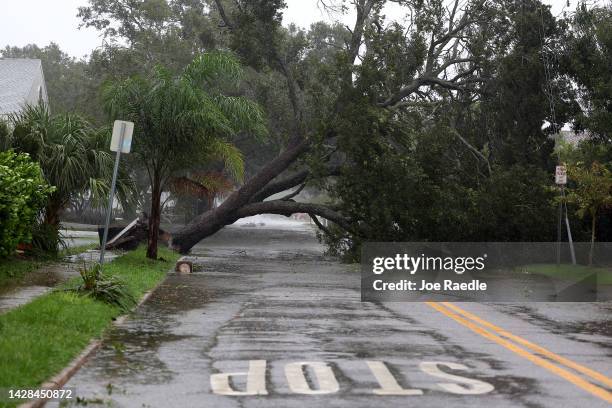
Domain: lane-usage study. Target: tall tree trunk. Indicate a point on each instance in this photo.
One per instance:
(52, 212)
(154, 218)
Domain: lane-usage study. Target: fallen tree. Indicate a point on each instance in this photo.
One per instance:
(446, 67)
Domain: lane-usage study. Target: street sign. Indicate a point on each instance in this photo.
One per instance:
(561, 175)
(120, 143)
(122, 127)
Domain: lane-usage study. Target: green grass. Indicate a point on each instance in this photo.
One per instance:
(69, 251)
(13, 269)
(39, 339)
(570, 272)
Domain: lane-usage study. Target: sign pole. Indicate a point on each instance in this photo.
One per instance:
(569, 230)
(559, 232)
(561, 181)
(111, 197)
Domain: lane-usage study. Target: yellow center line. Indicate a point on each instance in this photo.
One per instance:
(561, 372)
(607, 381)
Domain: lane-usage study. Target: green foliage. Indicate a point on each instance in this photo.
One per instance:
(107, 289)
(587, 57)
(72, 154)
(256, 24)
(186, 121)
(13, 269)
(180, 120)
(23, 193)
(426, 185)
(46, 241)
(445, 163)
(593, 190)
(589, 195)
(515, 204)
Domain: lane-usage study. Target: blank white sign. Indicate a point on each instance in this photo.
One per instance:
(128, 130)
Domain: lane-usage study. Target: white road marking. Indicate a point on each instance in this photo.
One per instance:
(388, 383)
(324, 374)
(256, 381)
(470, 386)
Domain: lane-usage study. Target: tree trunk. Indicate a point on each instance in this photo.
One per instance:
(52, 212)
(154, 218)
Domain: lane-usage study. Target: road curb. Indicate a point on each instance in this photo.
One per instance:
(59, 380)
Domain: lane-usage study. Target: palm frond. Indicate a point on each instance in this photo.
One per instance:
(200, 184)
(230, 155)
(214, 65)
(73, 156)
(246, 114)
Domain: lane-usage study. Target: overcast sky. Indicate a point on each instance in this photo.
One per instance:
(43, 21)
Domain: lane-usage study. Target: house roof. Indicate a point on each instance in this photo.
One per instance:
(21, 82)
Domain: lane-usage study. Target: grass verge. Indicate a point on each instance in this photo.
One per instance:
(570, 272)
(69, 251)
(39, 339)
(13, 269)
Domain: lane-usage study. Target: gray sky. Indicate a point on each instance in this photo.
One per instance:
(43, 21)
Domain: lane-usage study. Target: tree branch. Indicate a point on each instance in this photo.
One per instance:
(224, 17)
(473, 149)
(294, 193)
(281, 185)
(320, 225)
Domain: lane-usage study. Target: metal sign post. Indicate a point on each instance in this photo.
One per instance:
(561, 181)
(121, 142)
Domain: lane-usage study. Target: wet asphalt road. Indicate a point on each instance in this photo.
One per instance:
(269, 297)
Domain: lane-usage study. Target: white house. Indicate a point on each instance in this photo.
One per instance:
(22, 82)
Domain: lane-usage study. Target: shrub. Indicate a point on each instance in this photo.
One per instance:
(23, 193)
(47, 241)
(107, 289)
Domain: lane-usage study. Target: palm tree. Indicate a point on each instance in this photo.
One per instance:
(73, 156)
(182, 121)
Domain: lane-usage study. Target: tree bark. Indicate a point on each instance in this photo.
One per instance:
(52, 212)
(154, 218)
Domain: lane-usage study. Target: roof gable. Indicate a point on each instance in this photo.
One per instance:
(21, 82)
